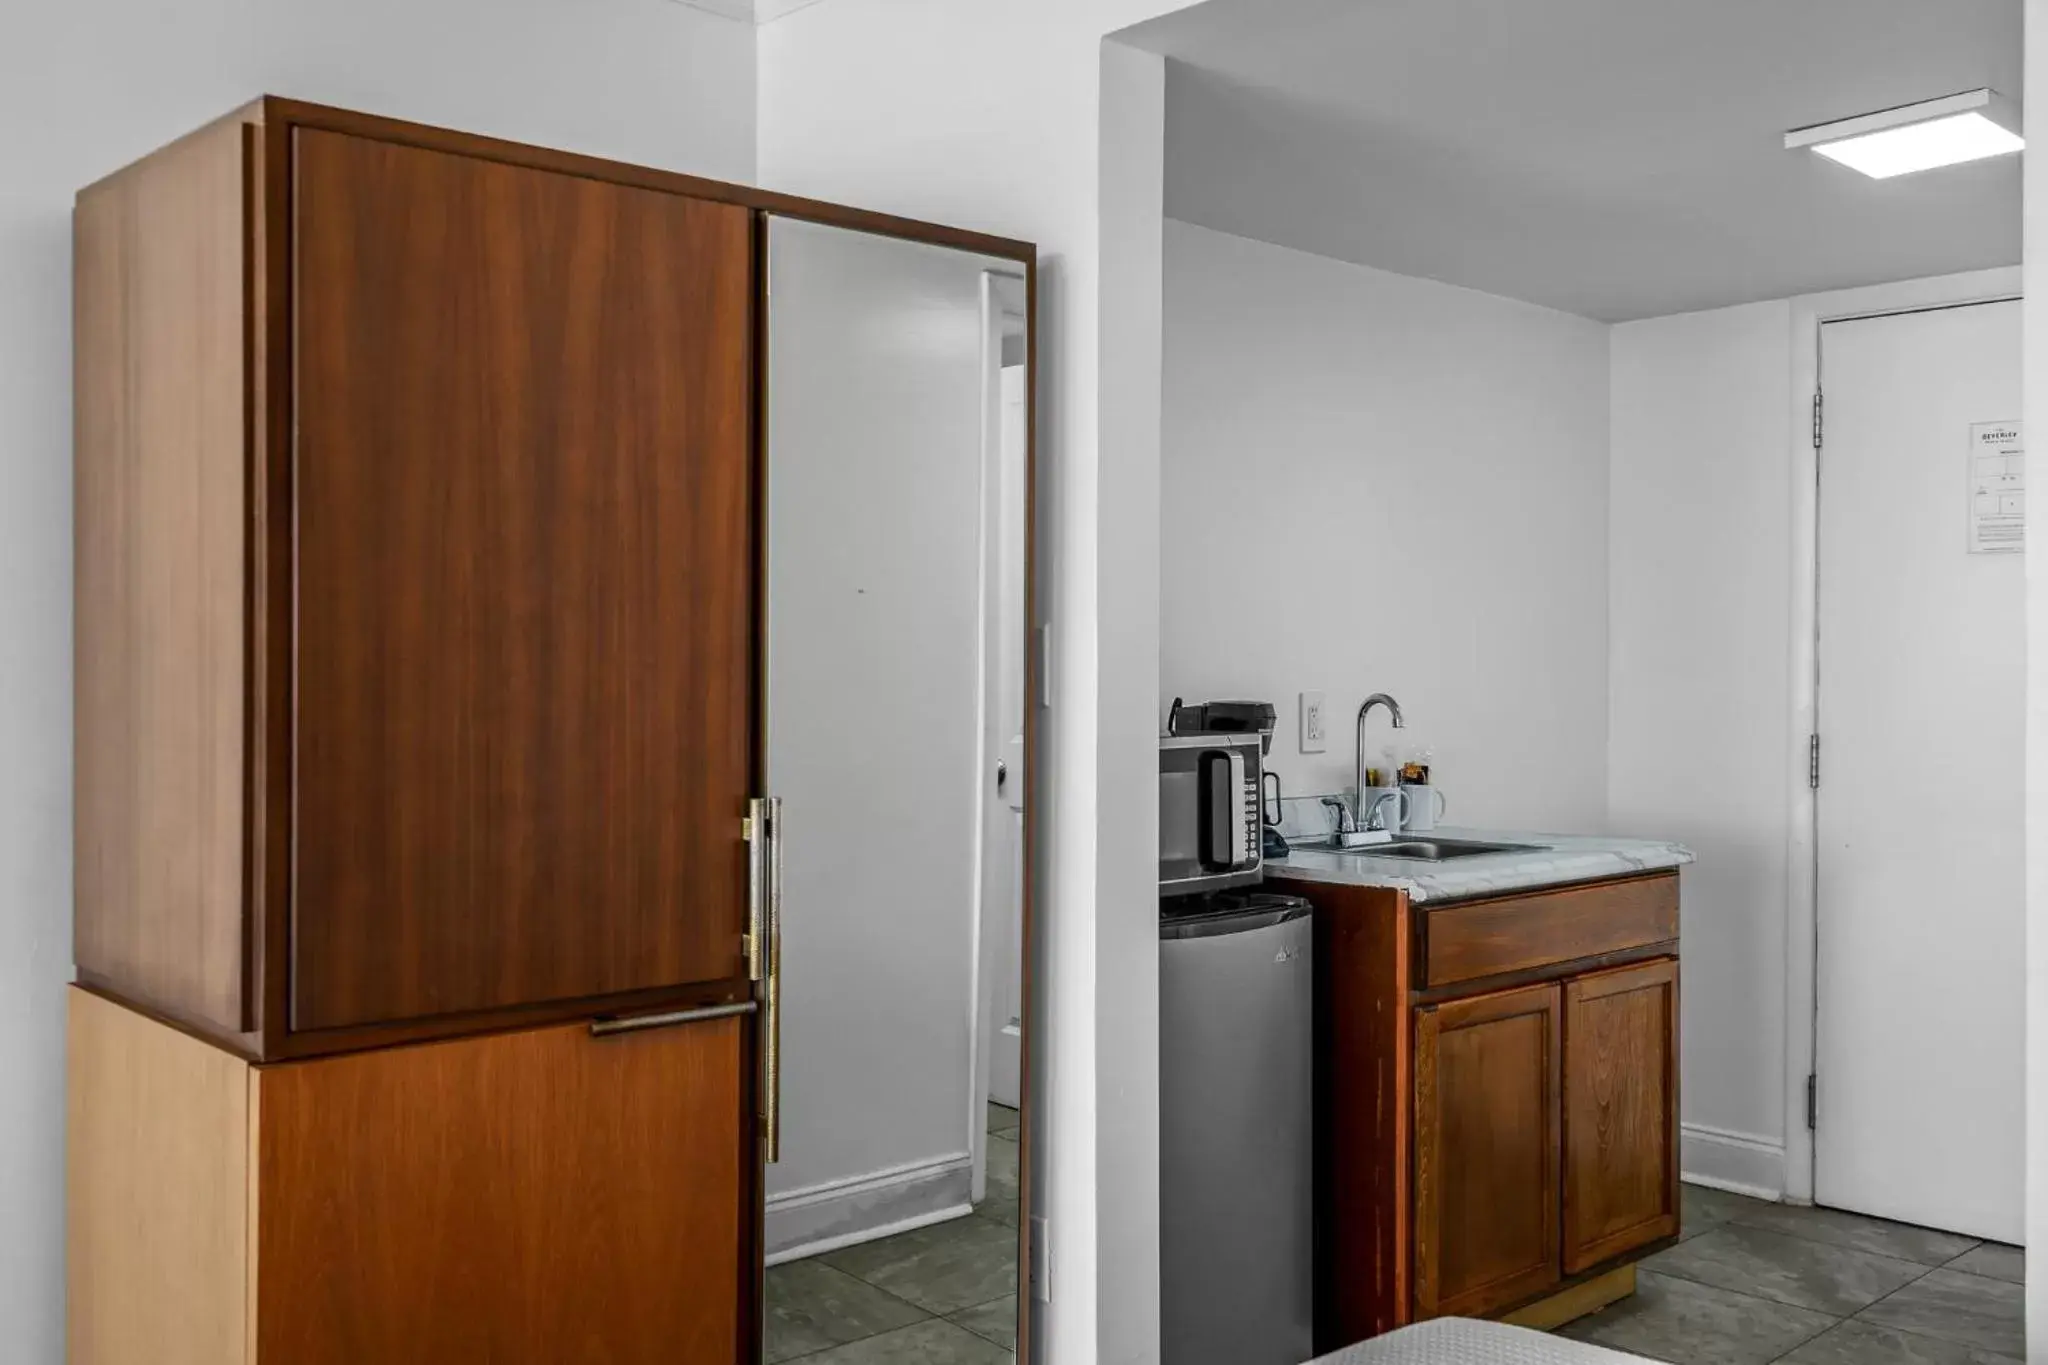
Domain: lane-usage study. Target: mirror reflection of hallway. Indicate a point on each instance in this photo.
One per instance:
(897, 471)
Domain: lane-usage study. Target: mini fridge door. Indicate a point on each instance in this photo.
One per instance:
(1235, 1142)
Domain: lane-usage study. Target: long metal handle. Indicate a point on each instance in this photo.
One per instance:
(634, 1023)
(771, 1022)
(755, 830)
(764, 956)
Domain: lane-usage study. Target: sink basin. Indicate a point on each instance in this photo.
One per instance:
(1423, 850)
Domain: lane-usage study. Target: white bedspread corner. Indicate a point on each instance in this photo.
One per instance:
(1461, 1341)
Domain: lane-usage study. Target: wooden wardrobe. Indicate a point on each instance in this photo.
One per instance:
(419, 953)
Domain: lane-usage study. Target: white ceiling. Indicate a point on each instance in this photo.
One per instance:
(1613, 158)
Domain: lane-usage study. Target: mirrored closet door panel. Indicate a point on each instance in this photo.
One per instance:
(897, 465)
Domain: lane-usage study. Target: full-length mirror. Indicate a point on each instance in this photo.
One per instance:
(898, 464)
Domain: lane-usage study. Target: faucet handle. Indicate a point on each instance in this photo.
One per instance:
(1376, 819)
(1344, 819)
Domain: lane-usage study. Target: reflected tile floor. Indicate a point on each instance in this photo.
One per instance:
(1751, 1283)
(941, 1295)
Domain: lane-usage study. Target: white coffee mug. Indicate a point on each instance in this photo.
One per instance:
(1426, 806)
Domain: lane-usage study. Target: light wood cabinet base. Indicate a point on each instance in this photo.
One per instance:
(1575, 1302)
(157, 1185)
(534, 1197)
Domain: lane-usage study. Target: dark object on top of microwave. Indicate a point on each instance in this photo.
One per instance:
(1223, 718)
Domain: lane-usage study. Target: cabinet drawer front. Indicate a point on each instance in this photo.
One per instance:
(539, 1196)
(1620, 1112)
(1523, 933)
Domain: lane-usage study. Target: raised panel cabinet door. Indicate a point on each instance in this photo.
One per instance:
(1486, 1151)
(1620, 1111)
(525, 514)
(535, 1198)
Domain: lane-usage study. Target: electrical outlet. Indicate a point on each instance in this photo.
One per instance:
(1313, 738)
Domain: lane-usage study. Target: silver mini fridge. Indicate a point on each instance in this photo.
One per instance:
(1236, 1148)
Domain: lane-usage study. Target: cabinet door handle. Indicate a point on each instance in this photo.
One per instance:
(764, 955)
(636, 1023)
(755, 830)
(771, 1022)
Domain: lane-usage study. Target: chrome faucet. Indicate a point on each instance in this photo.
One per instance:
(1358, 734)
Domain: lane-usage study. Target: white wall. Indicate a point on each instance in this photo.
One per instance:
(86, 86)
(1133, 176)
(993, 114)
(1379, 483)
(1700, 692)
(1611, 518)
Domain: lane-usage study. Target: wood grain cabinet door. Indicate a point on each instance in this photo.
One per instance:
(533, 1198)
(525, 541)
(1620, 1112)
(1486, 1151)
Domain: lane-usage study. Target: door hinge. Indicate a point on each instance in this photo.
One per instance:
(1816, 419)
(1812, 1103)
(1813, 761)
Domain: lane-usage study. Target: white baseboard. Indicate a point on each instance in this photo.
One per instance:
(838, 1213)
(1740, 1163)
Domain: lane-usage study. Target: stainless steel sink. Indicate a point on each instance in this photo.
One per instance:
(1421, 850)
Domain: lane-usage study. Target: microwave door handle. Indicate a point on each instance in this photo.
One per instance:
(1240, 841)
(1217, 842)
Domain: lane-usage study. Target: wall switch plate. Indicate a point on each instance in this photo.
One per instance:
(1314, 739)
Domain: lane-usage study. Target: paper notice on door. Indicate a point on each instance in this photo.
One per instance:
(1998, 488)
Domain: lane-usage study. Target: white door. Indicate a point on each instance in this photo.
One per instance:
(1005, 475)
(1003, 845)
(1920, 1024)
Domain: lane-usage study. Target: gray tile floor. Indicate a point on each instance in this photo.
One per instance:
(1752, 1283)
(942, 1295)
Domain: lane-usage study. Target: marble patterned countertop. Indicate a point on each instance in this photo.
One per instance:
(1557, 860)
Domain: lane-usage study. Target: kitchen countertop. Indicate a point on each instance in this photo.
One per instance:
(1559, 860)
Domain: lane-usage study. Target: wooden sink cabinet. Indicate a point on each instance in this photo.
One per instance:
(1497, 1100)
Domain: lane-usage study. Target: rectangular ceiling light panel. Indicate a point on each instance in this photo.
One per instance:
(1916, 137)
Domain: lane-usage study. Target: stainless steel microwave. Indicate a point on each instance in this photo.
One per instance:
(1209, 812)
